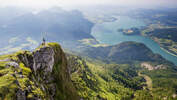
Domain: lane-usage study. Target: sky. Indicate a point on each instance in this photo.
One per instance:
(69, 3)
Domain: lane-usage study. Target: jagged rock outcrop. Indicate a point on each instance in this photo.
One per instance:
(40, 75)
(43, 59)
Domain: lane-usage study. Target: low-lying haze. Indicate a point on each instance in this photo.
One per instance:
(76, 3)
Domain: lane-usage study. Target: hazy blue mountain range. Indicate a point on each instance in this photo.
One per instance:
(63, 26)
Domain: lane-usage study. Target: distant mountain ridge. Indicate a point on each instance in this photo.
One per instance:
(66, 27)
(125, 52)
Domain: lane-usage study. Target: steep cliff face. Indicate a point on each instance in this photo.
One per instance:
(40, 75)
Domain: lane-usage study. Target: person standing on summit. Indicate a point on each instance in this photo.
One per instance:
(43, 39)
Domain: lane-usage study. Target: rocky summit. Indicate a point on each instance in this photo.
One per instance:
(39, 75)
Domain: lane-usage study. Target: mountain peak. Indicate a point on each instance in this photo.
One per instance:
(42, 74)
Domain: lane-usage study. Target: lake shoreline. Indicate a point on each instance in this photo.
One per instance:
(166, 50)
(106, 33)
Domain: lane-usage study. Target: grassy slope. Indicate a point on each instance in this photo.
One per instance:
(164, 83)
(122, 81)
(97, 80)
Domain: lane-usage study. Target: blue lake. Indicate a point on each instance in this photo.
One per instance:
(107, 33)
